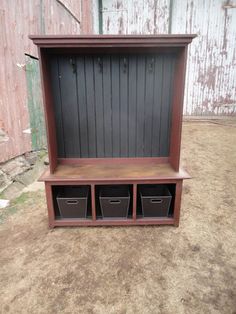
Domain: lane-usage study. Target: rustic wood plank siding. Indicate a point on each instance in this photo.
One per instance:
(113, 105)
(18, 19)
(37, 124)
(211, 71)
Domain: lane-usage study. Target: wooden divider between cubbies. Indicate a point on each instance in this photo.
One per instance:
(134, 214)
(93, 202)
(94, 220)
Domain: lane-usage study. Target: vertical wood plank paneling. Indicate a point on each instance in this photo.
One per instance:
(55, 84)
(35, 106)
(68, 87)
(141, 85)
(82, 107)
(132, 105)
(124, 106)
(115, 92)
(170, 100)
(107, 102)
(157, 105)
(164, 134)
(149, 118)
(98, 100)
(89, 81)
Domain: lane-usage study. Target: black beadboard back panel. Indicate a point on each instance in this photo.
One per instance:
(113, 105)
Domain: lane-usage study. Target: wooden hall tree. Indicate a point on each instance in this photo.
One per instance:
(113, 107)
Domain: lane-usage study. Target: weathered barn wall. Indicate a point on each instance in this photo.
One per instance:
(18, 19)
(36, 116)
(211, 72)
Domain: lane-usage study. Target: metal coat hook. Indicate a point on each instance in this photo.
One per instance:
(73, 64)
(151, 65)
(125, 65)
(100, 64)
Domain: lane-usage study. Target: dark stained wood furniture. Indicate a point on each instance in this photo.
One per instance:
(113, 108)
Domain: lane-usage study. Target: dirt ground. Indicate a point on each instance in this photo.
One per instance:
(167, 270)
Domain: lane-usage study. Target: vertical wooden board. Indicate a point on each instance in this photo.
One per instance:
(141, 82)
(124, 106)
(67, 72)
(149, 118)
(82, 107)
(107, 105)
(170, 100)
(164, 131)
(115, 74)
(55, 84)
(37, 124)
(98, 99)
(89, 81)
(132, 105)
(157, 103)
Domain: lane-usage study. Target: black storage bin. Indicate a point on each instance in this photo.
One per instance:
(73, 202)
(114, 201)
(155, 200)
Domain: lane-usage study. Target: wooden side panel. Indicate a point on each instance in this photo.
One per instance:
(55, 85)
(177, 111)
(166, 109)
(48, 109)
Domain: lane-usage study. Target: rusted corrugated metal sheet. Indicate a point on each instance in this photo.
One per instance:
(18, 19)
(211, 73)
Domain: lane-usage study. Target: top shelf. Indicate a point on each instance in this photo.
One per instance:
(52, 41)
(117, 171)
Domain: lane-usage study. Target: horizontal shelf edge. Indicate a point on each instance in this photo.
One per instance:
(111, 172)
(110, 222)
(52, 41)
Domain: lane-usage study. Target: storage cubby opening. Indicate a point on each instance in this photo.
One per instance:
(155, 200)
(72, 201)
(112, 199)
